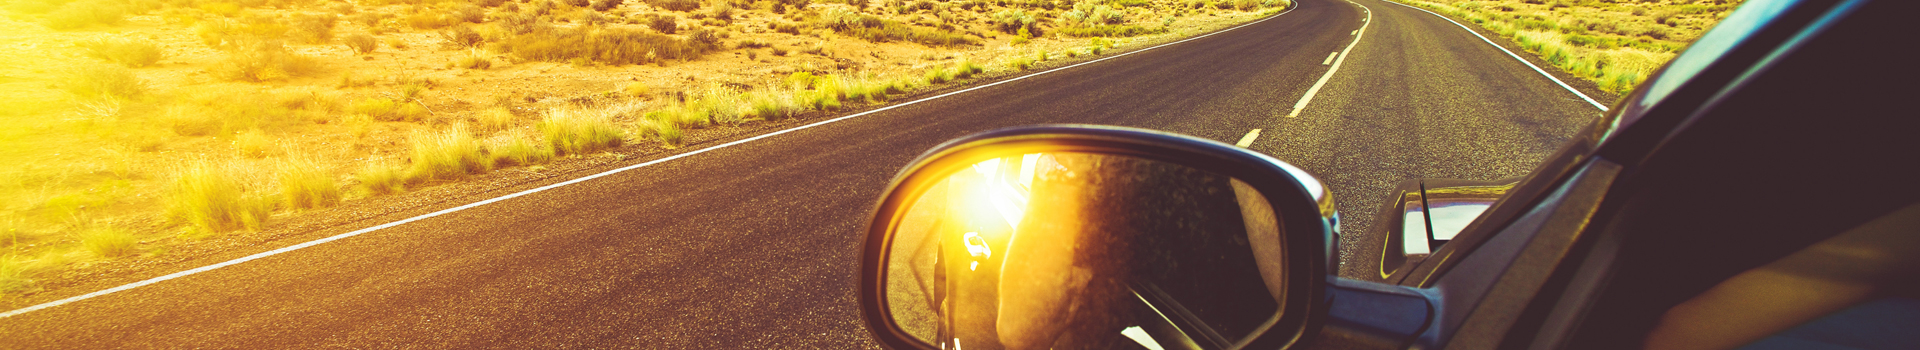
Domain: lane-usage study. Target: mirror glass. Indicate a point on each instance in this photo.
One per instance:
(1078, 250)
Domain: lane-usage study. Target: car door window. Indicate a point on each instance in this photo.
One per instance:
(1842, 292)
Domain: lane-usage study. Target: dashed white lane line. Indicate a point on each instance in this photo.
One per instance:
(1361, 33)
(124, 287)
(1248, 140)
(1330, 58)
(1596, 104)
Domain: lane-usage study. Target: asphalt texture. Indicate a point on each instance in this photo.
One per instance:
(755, 245)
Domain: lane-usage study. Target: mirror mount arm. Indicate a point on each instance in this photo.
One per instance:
(1375, 315)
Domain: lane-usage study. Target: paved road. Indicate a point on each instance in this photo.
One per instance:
(754, 246)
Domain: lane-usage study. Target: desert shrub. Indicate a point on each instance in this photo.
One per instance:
(109, 242)
(265, 61)
(127, 52)
(312, 29)
(675, 5)
(786, 27)
(751, 44)
(473, 60)
(603, 5)
(246, 33)
(369, 18)
(305, 184)
(102, 81)
(361, 43)
(428, 20)
(489, 3)
(704, 39)
(85, 13)
(214, 200)
(607, 45)
(1012, 21)
(521, 23)
(875, 29)
(662, 24)
(723, 11)
(461, 37)
(469, 14)
(447, 155)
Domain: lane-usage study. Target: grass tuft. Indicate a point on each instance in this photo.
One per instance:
(213, 200)
(518, 149)
(109, 242)
(449, 155)
(570, 131)
(305, 184)
(382, 179)
(253, 144)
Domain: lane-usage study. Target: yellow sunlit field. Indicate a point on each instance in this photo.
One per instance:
(1614, 43)
(133, 126)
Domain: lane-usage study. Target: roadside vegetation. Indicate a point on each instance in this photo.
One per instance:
(137, 126)
(1614, 43)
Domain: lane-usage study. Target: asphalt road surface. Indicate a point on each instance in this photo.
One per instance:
(755, 245)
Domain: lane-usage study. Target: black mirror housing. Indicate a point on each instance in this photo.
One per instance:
(1301, 204)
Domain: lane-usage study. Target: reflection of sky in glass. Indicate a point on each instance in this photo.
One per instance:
(1739, 25)
(1448, 220)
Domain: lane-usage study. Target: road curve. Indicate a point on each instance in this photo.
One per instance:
(754, 245)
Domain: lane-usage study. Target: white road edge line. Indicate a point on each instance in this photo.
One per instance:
(1360, 33)
(1248, 140)
(149, 281)
(1329, 58)
(1596, 104)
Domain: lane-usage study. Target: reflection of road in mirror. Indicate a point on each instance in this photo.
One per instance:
(1071, 251)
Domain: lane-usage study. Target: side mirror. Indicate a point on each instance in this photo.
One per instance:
(1096, 237)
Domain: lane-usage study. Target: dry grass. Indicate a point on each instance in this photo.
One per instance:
(102, 82)
(213, 199)
(447, 155)
(266, 61)
(377, 179)
(133, 53)
(518, 149)
(109, 242)
(1614, 45)
(573, 130)
(99, 147)
(305, 184)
